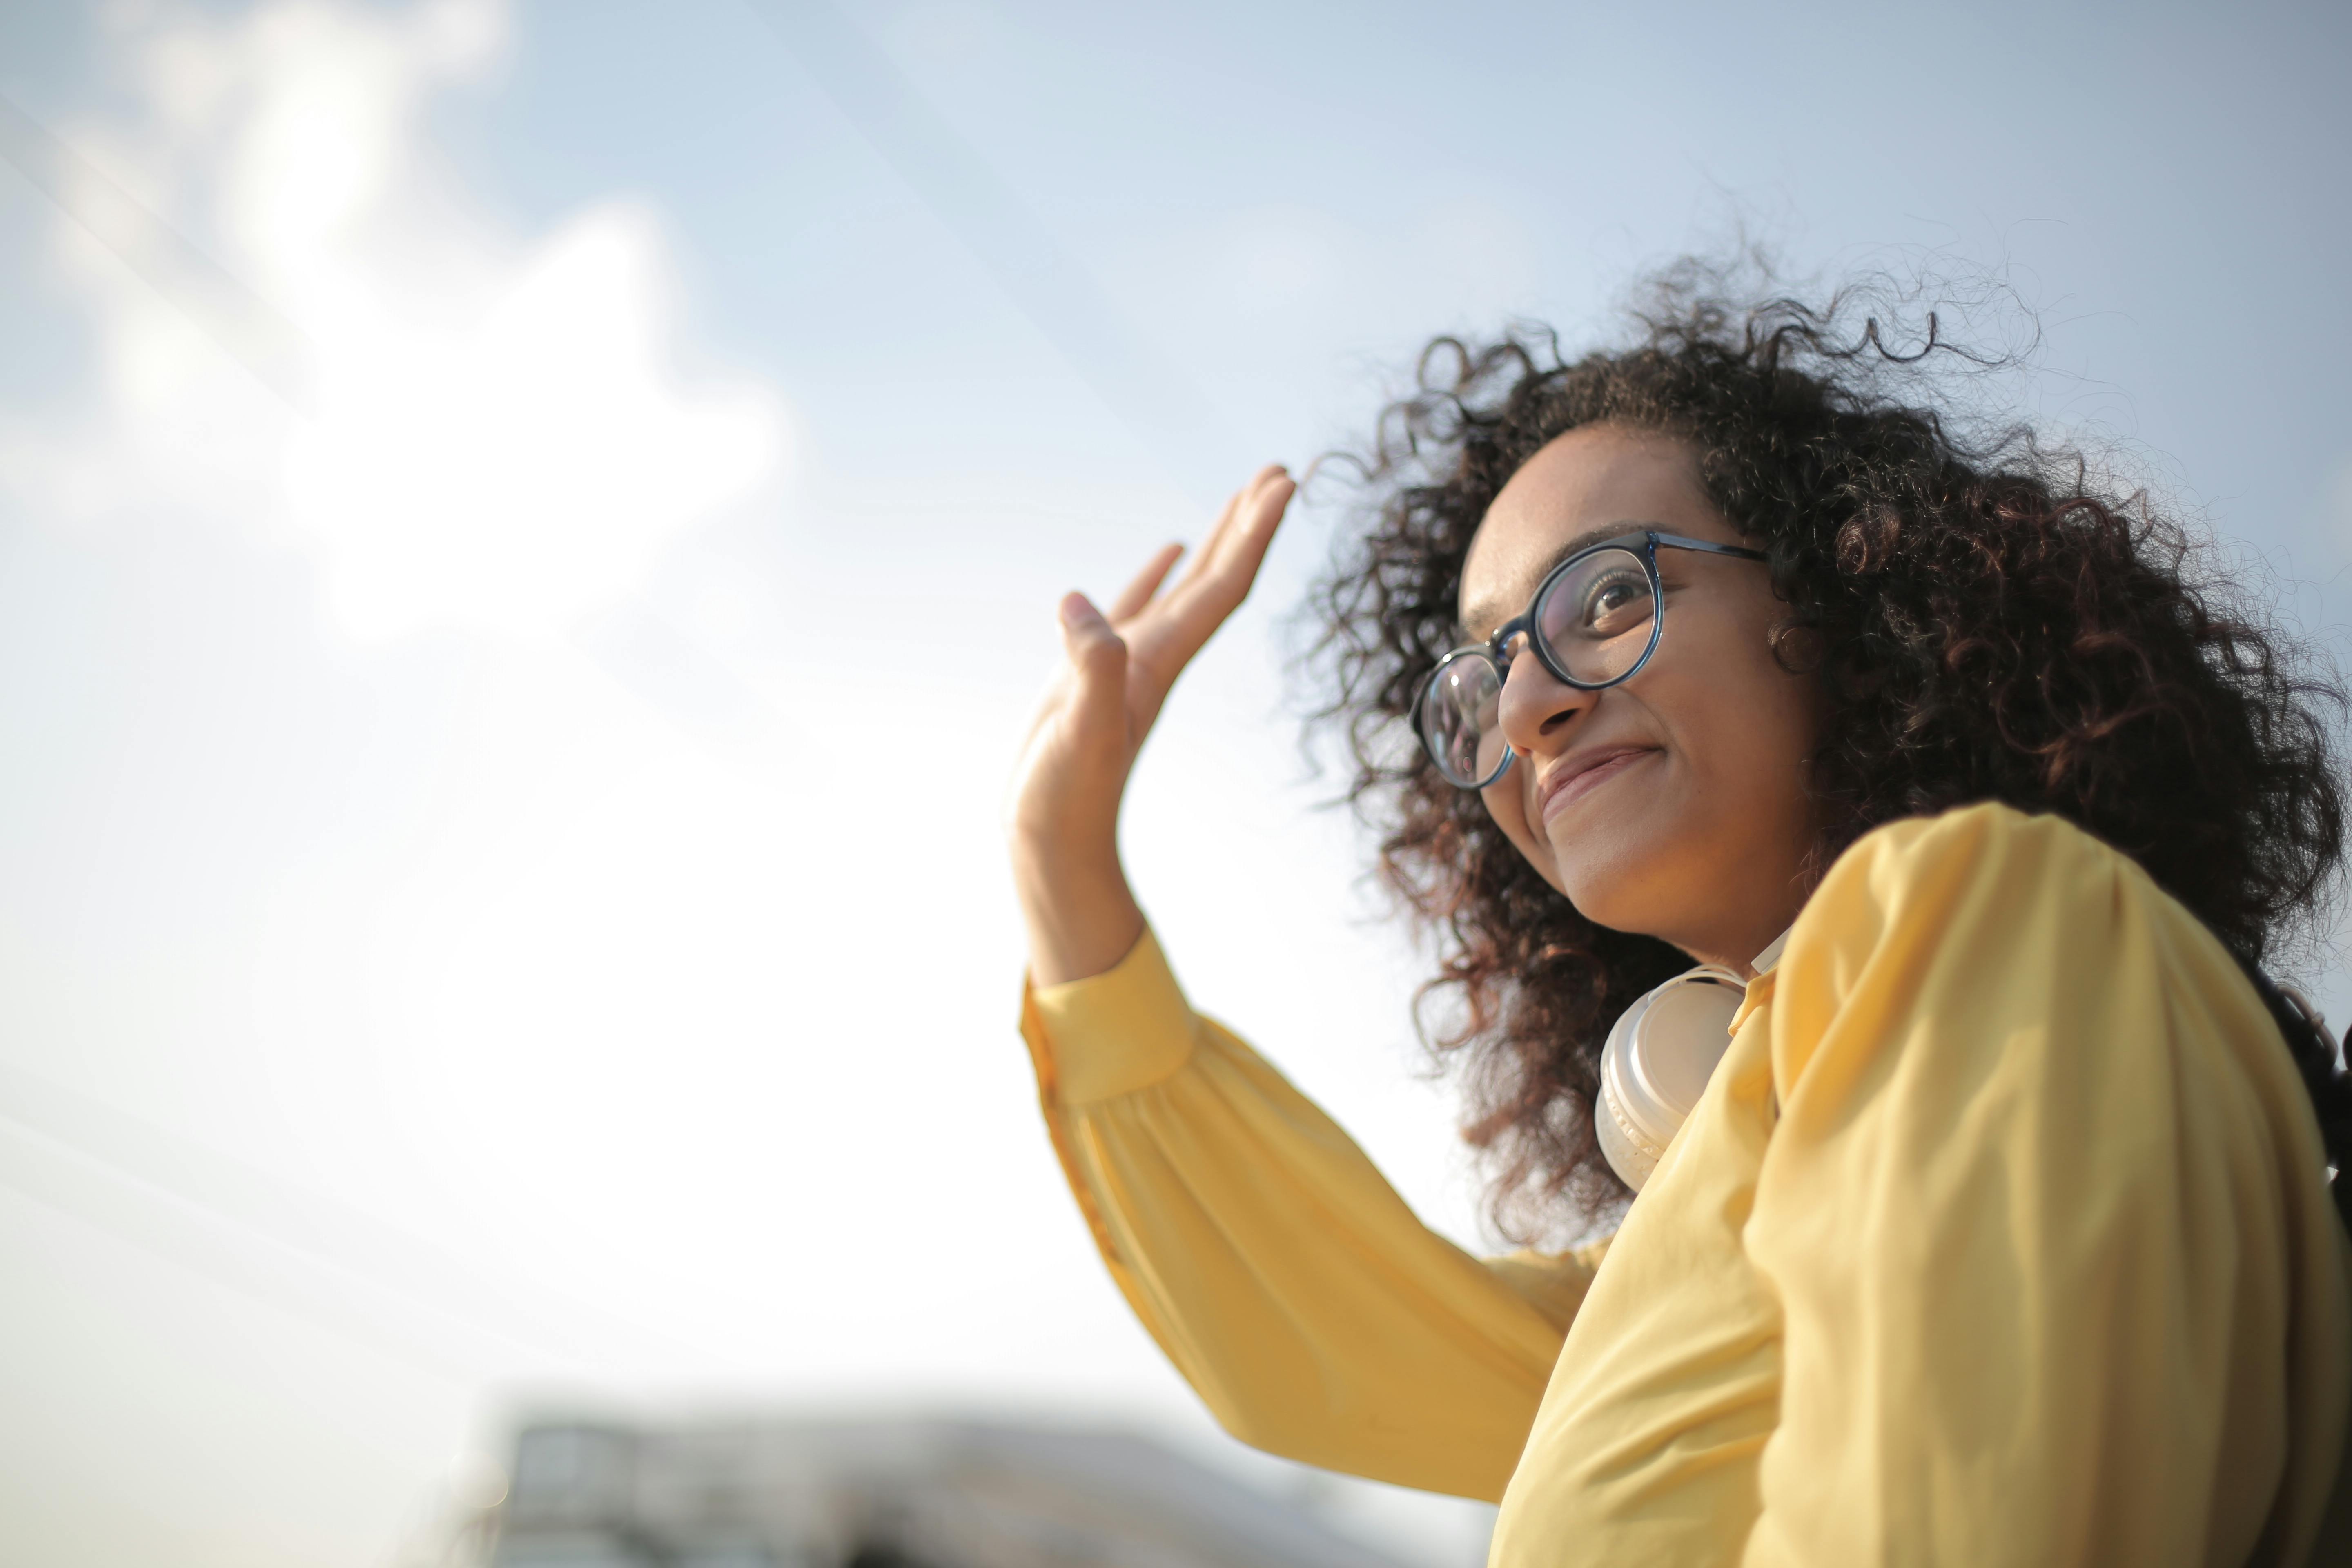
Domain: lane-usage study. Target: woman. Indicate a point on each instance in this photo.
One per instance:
(2002, 1232)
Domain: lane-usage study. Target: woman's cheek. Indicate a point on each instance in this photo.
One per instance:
(1506, 804)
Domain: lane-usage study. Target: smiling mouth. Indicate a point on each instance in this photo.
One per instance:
(1590, 779)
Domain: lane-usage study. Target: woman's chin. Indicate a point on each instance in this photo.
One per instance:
(1602, 900)
(1610, 878)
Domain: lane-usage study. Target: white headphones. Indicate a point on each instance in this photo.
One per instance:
(1657, 1059)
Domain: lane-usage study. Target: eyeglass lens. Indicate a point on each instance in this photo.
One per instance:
(1461, 720)
(1596, 620)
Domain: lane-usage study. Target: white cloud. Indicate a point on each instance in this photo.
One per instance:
(526, 466)
(496, 440)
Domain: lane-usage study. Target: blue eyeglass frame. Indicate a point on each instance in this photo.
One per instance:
(1641, 543)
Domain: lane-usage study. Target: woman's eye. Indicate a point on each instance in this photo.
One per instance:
(1615, 605)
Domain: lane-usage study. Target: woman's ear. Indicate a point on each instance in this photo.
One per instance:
(1799, 649)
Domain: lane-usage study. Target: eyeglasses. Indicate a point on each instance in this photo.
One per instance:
(1594, 621)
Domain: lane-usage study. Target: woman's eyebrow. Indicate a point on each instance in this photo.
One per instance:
(1489, 615)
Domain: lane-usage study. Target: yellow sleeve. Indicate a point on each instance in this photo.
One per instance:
(1288, 1281)
(2046, 1213)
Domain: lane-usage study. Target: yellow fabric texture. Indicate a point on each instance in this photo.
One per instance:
(2000, 1236)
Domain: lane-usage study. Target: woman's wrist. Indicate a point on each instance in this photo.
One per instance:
(1082, 916)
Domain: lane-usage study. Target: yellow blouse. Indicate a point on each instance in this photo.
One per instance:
(2001, 1237)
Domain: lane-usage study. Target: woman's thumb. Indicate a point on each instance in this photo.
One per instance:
(1100, 657)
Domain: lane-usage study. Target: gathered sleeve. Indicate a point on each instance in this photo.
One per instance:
(1288, 1282)
(2046, 1215)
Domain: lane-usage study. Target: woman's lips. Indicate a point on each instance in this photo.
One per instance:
(1590, 779)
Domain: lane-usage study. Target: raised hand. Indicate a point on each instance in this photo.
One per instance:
(1064, 826)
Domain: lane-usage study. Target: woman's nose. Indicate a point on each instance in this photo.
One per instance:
(1536, 707)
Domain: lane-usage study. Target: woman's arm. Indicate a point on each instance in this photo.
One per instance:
(1314, 1315)
(2045, 1214)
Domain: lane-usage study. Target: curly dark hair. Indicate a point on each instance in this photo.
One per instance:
(1986, 617)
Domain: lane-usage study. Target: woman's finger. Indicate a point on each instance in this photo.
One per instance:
(1213, 546)
(1137, 594)
(1165, 643)
(1241, 550)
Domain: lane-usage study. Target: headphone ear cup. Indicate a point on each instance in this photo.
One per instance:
(1656, 1063)
(1625, 1143)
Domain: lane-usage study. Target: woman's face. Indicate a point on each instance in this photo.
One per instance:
(1673, 805)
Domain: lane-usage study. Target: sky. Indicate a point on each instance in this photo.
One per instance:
(528, 541)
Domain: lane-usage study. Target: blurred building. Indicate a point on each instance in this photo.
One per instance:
(881, 1494)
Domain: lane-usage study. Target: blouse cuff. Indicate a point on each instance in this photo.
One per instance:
(1114, 1033)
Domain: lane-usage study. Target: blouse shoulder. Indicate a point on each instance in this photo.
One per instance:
(1990, 846)
(1985, 911)
(1989, 871)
